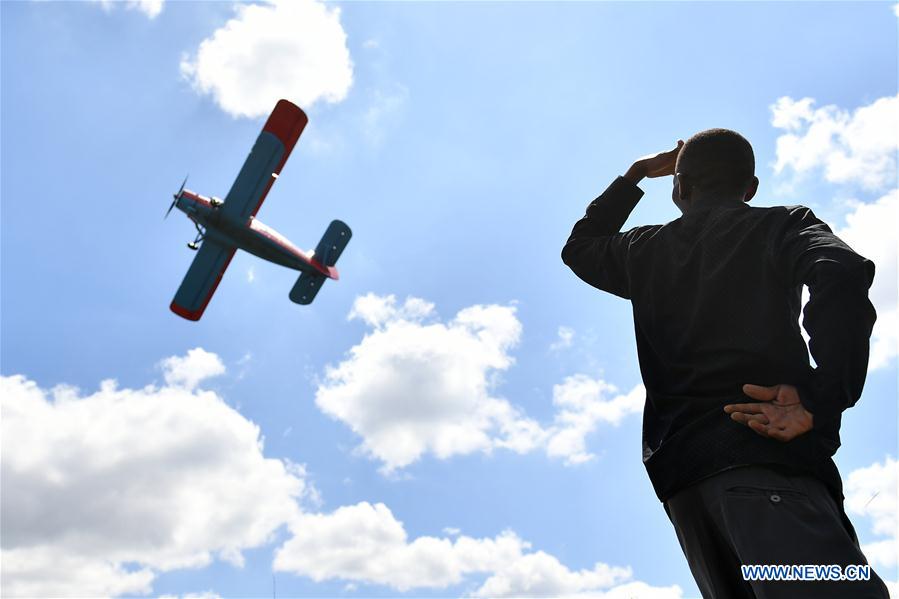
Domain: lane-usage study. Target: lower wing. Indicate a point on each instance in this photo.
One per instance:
(201, 279)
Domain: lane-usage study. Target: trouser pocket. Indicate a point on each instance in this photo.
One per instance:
(779, 525)
(773, 494)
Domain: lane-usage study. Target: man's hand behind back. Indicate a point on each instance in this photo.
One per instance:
(779, 415)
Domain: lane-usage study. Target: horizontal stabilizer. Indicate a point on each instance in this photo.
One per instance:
(306, 287)
(333, 241)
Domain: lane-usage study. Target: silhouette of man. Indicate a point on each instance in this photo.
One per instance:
(738, 428)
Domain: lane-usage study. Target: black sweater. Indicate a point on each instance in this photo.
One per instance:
(716, 302)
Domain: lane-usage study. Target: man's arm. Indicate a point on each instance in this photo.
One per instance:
(595, 250)
(839, 319)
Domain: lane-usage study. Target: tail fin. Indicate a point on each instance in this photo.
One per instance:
(326, 253)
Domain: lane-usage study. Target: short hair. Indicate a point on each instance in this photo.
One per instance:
(717, 160)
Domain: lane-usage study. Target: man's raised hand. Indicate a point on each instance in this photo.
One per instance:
(781, 416)
(654, 165)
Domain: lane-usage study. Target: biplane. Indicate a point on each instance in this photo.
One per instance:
(224, 226)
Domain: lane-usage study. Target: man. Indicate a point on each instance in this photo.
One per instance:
(738, 428)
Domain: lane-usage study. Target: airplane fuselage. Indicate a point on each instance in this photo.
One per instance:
(250, 235)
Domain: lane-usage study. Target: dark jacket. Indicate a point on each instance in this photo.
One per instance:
(716, 300)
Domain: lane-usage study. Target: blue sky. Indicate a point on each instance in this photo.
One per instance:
(463, 143)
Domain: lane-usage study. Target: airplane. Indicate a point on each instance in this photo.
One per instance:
(223, 227)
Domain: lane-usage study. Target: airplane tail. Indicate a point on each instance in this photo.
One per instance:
(326, 253)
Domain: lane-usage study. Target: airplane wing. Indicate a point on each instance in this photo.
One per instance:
(269, 153)
(201, 279)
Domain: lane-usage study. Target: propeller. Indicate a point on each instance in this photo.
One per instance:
(175, 201)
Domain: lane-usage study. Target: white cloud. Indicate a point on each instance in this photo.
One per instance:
(151, 8)
(858, 147)
(411, 386)
(564, 340)
(294, 49)
(251, 274)
(102, 491)
(874, 492)
(365, 543)
(378, 310)
(187, 371)
(582, 403)
(415, 385)
(542, 575)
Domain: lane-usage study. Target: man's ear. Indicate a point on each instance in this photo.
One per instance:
(684, 188)
(750, 191)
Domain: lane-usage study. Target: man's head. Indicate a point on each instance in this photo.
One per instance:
(714, 166)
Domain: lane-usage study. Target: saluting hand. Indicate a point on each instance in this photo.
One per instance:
(654, 165)
(781, 416)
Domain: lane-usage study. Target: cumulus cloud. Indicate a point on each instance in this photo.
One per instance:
(151, 8)
(415, 385)
(187, 371)
(873, 492)
(851, 147)
(542, 575)
(582, 403)
(294, 49)
(102, 491)
(365, 543)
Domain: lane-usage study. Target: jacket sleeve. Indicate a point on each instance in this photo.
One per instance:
(596, 251)
(838, 317)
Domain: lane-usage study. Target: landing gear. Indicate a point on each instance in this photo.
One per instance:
(201, 235)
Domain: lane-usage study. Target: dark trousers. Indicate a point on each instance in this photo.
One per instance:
(765, 515)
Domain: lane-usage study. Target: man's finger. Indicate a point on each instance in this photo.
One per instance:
(746, 418)
(760, 392)
(750, 408)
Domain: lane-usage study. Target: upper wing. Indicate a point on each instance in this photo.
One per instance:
(201, 279)
(269, 153)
